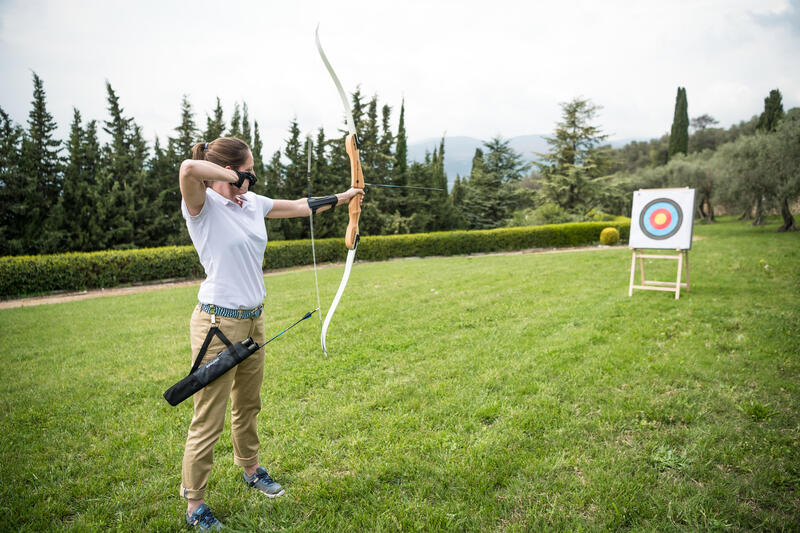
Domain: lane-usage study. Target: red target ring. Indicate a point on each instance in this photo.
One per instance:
(660, 218)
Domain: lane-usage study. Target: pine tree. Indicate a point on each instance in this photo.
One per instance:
(273, 184)
(294, 182)
(679, 136)
(78, 205)
(42, 168)
(186, 133)
(479, 202)
(236, 123)
(123, 163)
(372, 219)
(323, 182)
(14, 188)
(215, 127)
(575, 159)
(773, 112)
(162, 221)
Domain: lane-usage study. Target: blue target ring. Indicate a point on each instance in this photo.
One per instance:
(661, 219)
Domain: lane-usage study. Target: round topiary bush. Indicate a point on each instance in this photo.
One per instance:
(609, 236)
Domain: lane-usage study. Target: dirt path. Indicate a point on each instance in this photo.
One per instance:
(170, 284)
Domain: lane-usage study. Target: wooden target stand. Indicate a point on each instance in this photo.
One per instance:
(682, 257)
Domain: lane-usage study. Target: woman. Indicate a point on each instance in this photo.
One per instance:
(226, 224)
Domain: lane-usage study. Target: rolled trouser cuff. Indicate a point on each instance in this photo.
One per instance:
(190, 494)
(245, 462)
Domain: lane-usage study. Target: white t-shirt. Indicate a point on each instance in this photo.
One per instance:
(230, 240)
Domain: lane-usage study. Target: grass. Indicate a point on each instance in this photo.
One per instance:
(493, 393)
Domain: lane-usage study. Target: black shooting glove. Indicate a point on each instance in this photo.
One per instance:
(245, 176)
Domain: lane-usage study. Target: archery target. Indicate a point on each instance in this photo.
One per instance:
(662, 218)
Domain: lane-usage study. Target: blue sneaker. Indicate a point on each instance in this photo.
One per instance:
(262, 482)
(203, 519)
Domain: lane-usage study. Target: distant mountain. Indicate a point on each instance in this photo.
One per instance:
(459, 151)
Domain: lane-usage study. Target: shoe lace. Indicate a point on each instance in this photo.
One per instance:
(264, 476)
(207, 518)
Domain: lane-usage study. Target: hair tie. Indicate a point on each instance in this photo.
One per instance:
(205, 147)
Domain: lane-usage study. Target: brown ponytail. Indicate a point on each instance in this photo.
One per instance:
(225, 151)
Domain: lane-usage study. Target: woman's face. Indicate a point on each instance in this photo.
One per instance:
(246, 167)
(229, 190)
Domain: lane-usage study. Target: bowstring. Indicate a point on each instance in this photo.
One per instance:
(311, 225)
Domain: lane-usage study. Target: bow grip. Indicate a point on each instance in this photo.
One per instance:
(357, 181)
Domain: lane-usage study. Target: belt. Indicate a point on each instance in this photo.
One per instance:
(212, 309)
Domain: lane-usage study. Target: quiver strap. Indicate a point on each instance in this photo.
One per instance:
(200, 376)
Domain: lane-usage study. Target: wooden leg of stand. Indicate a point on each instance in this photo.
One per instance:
(641, 267)
(686, 259)
(633, 272)
(678, 282)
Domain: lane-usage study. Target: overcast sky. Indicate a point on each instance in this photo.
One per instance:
(465, 67)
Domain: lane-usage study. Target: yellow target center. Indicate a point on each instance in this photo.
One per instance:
(660, 218)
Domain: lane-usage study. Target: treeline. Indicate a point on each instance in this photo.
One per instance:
(85, 195)
(749, 169)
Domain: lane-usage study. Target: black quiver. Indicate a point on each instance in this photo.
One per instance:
(200, 376)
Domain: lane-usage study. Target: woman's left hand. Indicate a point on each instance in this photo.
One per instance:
(345, 197)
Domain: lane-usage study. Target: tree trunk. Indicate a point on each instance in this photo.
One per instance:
(788, 219)
(710, 211)
(747, 214)
(758, 218)
(700, 212)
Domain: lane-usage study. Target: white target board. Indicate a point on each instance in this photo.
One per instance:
(662, 219)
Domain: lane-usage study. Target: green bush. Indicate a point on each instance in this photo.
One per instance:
(609, 236)
(27, 275)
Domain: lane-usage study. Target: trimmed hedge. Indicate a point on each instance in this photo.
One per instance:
(26, 275)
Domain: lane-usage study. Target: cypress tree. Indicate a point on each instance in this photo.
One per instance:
(679, 135)
(258, 159)
(246, 134)
(400, 166)
(773, 112)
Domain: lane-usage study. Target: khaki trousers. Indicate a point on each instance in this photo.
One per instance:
(242, 384)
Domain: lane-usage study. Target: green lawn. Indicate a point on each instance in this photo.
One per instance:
(494, 393)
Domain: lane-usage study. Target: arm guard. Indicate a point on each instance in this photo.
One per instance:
(316, 203)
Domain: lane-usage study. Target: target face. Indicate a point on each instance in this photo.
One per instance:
(661, 219)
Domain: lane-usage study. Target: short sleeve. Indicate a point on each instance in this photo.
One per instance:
(264, 203)
(194, 218)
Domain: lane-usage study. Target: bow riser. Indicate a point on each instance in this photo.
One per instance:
(356, 181)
